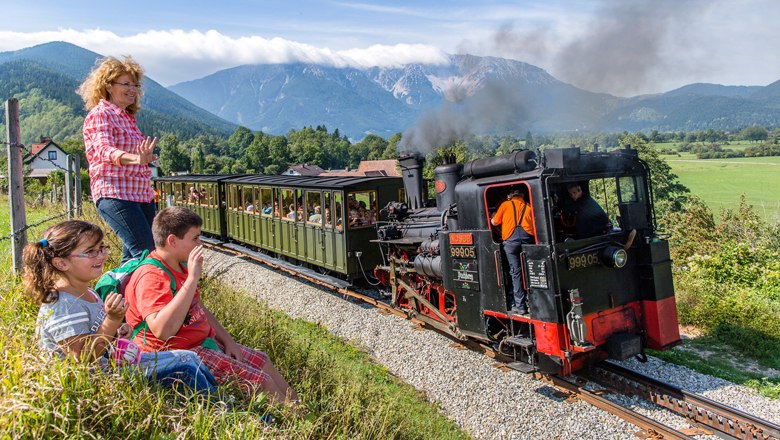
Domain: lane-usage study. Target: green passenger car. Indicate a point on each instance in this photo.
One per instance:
(322, 222)
(202, 193)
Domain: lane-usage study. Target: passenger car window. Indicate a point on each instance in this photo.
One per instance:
(314, 208)
(362, 209)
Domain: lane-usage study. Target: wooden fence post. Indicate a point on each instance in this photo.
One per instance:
(69, 187)
(15, 183)
(77, 186)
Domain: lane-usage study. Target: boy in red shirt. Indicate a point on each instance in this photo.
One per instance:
(181, 321)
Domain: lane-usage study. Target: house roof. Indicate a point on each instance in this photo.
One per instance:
(389, 167)
(307, 170)
(369, 168)
(35, 149)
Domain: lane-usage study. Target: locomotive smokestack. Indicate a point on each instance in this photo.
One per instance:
(447, 175)
(411, 170)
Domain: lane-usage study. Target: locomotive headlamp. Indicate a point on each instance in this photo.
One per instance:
(614, 256)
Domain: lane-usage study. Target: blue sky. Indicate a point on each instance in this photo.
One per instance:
(622, 47)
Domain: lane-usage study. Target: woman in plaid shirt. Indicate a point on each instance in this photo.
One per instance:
(118, 154)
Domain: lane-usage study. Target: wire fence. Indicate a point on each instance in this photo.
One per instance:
(18, 154)
(23, 230)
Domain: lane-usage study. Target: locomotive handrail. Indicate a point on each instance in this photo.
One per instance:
(589, 248)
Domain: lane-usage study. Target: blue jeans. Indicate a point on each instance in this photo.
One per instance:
(132, 222)
(177, 367)
(513, 247)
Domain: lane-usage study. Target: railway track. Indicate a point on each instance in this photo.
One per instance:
(706, 416)
(709, 415)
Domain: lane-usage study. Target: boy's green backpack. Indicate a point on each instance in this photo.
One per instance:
(115, 281)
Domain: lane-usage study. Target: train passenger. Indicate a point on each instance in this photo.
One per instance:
(277, 213)
(590, 220)
(328, 219)
(316, 217)
(181, 321)
(369, 217)
(74, 322)
(118, 154)
(194, 194)
(515, 217)
(354, 218)
(291, 213)
(267, 209)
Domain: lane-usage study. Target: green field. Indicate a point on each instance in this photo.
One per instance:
(720, 182)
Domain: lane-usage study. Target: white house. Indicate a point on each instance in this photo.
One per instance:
(45, 157)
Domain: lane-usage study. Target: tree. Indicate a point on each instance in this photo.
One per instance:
(239, 141)
(197, 160)
(172, 156)
(669, 194)
(74, 145)
(754, 133)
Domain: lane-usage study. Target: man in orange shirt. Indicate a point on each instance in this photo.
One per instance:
(517, 228)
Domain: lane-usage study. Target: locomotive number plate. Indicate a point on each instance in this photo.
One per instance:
(469, 252)
(582, 261)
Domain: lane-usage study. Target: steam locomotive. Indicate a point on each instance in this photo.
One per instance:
(590, 298)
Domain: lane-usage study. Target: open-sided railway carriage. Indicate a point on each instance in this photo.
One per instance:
(202, 193)
(605, 296)
(325, 223)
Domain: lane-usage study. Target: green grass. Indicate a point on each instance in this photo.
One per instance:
(720, 182)
(344, 395)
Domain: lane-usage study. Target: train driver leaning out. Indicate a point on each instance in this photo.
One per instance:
(515, 217)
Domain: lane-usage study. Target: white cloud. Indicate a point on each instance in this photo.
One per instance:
(172, 56)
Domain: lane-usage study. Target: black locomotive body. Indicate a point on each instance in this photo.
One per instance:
(609, 295)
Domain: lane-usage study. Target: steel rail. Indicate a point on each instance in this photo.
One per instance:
(650, 428)
(727, 421)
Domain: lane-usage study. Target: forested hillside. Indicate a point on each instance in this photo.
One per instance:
(45, 78)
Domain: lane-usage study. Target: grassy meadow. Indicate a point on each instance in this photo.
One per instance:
(343, 394)
(721, 182)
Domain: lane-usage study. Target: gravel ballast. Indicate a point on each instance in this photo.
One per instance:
(485, 401)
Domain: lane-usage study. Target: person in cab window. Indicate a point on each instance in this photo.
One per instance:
(587, 216)
(516, 220)
(291, 212)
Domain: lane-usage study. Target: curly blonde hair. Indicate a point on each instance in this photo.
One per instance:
(106, 71)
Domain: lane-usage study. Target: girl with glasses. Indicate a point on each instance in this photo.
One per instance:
(74, 322)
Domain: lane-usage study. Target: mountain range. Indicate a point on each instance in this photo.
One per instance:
(469, 94)
(491, 94)
(48, 75)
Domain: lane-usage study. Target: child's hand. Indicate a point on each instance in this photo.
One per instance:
(124, 331)
(195, 262)
(116, 306)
